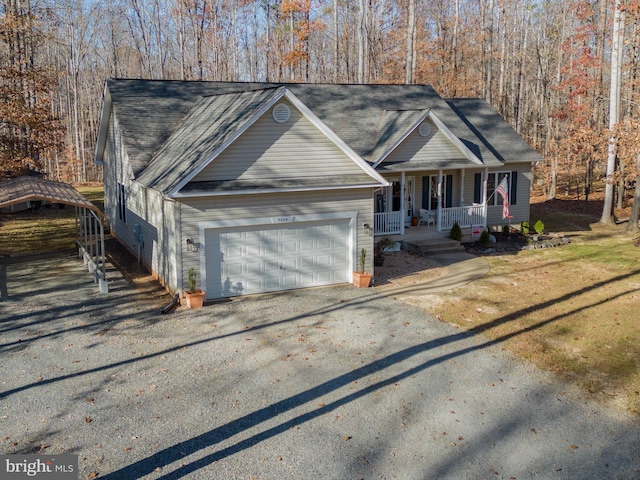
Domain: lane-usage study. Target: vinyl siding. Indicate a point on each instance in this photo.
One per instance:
(145, 207)
(271, 150)
(194, 211)
(159, 246)
(116, 170)
(519, 211)
(419, 149)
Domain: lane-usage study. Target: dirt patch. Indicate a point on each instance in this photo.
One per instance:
(135, 273)
(405, 268)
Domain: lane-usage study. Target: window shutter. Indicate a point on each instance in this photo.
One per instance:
(514, 188)
(425, 193)
(449, 192)
(477, 188)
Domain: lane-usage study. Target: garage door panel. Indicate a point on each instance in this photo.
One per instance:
(233, 252)
(253, 267)
(287, 264)
(306, 245)
(254, 250)
(340, 259)
(276, 257)
(307, 263)
(289, 246)
(324, 277)
(290, 281)
(271, 284)
(233, 236)
(233, 269)
(323, 261)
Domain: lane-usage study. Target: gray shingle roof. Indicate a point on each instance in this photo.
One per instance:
(495, 137)
(161, 121)
(211, 123)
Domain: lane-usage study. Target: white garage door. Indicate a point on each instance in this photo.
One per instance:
(255, 259)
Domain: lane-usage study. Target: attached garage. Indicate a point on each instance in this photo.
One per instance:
(273, 254)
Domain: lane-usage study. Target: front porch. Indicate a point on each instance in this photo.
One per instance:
(393, 223)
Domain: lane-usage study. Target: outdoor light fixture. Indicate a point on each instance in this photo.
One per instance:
(190, 245)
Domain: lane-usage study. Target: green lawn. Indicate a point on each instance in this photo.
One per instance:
(43, 230)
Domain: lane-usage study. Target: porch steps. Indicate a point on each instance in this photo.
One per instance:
(432, 246)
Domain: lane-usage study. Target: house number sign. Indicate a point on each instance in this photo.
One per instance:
(282, 219)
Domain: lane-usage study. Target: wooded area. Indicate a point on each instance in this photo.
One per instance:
(554, 69)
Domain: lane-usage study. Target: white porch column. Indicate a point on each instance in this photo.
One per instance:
(439, 214)
(403, 205)
(485, 209)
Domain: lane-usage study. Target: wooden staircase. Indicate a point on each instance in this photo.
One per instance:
(433, 246)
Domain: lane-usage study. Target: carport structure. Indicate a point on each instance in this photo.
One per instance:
(89, 219)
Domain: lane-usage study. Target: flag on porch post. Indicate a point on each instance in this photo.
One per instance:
(503, 190)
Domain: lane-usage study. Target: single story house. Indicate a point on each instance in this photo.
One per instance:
(264, 187)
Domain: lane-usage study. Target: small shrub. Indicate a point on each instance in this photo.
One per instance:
(485, 238)
(192, 280)
(539, 227)
(524, 228)
(379, 249)
(506, 230)
(361, 260)
(456, 232)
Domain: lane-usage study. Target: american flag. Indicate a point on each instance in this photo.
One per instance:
(503, 190)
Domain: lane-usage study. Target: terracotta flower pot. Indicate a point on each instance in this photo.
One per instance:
(361, 279)
(194, 300)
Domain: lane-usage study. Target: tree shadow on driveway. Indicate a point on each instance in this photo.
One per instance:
(179, 451)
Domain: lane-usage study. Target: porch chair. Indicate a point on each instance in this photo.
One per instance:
(426, 216)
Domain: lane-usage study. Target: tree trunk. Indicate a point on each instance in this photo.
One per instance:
(362, 34)
(411, 33)
(489, 60)
(336, 42)
(614, 103)
(632, 226)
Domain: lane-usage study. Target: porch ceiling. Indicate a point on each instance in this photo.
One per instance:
(430, 165)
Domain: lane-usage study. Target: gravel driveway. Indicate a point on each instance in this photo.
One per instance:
(331, 383)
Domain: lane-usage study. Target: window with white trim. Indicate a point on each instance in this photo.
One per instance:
(493, 180)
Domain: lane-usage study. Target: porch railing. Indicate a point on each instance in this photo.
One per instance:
(387, 223)
(464, 216)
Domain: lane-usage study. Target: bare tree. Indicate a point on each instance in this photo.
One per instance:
(411, 33)
(614, 104)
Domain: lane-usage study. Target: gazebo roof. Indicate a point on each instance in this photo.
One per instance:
(26, 188)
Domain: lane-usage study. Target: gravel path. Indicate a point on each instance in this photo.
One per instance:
(333, 383)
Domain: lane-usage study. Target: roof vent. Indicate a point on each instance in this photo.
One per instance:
(424, 129)
(281, 113)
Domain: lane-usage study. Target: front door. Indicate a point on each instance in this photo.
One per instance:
(392, 198)
(409, 199)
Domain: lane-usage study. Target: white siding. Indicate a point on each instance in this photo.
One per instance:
(116, 170)
(417, 148)
(519, 211)
(195, 211)
(146, 208)
(271, 150)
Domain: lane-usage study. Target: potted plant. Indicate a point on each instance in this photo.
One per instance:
(194, 297)
(361, 279)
